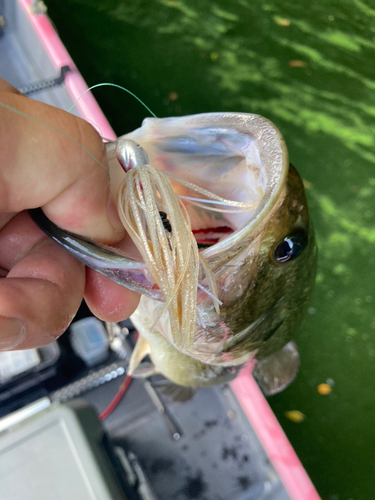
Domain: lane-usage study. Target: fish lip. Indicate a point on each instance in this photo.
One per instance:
(275, 160)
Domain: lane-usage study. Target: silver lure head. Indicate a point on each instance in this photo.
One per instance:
(130, 154)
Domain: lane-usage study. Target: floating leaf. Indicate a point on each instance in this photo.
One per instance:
(173, 96)
(324, 389)
(295, 416)
(295, 63)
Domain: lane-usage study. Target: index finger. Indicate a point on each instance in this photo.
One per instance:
(53, 159)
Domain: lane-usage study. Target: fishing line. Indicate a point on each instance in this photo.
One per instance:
(117, 86)
(238, 206)
(48, 125)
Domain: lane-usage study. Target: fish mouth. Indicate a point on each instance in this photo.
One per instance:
(238, 156)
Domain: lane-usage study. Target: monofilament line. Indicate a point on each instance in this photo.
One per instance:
(117, 86)
(233, 206)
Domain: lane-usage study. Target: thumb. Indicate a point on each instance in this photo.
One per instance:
(56, 160)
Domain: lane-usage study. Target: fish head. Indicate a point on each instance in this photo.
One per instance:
(264, 288)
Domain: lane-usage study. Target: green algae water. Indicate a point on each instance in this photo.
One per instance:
(310, 68)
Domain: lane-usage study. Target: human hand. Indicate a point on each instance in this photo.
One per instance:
(41, 285)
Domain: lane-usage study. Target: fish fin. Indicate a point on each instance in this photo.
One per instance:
(276, 372)
(177, 393)
(141, 350)
(145, 370)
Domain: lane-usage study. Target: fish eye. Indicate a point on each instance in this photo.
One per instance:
(291, 247)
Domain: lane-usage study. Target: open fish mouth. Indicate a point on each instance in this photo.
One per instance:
(238, 156)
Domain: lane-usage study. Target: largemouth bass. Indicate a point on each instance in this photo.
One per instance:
(263, 260)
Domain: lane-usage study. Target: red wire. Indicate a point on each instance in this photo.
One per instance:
(120, 393)
(115, 401)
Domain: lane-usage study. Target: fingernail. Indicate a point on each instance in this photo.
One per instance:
(12, 333)
(113, 216)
